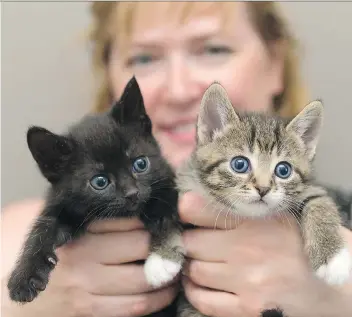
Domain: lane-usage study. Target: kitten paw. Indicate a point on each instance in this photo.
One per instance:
(27, 282)
(27, 290)
(338, 269)
(159, 271)
(24, 289)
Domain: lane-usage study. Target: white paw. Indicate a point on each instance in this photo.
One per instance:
(159, 271)
(338, 270)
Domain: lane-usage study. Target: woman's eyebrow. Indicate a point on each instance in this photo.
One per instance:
(190, 32)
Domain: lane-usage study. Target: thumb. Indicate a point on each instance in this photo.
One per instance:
(195, 209)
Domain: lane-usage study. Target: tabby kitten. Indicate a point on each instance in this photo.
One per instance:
(258, 165)
(106, 166)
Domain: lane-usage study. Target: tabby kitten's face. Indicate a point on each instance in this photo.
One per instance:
(254, 163)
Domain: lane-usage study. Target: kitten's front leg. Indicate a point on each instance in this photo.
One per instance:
(326, 249)
(31, 273)
(166, 253)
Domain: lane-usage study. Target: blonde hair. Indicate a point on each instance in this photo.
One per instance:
(267, 18)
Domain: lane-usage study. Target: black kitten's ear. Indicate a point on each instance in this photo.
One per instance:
(52, 152)
(216, 112)
(130, 108)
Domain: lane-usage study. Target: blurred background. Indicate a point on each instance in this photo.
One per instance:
(46, 80)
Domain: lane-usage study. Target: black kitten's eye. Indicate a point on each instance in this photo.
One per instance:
(240, 164)
(141, 164)
(283, 170)
(99, 182)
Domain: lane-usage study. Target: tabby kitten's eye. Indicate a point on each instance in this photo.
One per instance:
(283, 170)
(240, 164)
(99, 182)
(141, 164)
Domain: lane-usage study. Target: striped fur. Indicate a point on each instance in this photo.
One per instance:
(266, 140)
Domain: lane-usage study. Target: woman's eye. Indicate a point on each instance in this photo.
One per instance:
(142, 59)
(217, 49)
(141, 164)
(99, 182)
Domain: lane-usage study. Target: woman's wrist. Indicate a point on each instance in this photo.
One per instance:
(319, 299)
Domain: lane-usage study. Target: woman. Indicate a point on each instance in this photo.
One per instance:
(176, 50)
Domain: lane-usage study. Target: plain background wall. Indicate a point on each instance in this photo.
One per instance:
(46, 80)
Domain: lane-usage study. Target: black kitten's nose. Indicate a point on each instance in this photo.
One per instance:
(262, 190)
(132, 195)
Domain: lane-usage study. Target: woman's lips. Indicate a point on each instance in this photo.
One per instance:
(182, 133)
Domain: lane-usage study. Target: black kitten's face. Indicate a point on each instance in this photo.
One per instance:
(108, 164)
(116, 170)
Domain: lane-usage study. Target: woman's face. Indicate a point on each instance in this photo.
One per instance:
(175, 62)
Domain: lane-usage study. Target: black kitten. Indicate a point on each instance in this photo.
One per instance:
(107, 166)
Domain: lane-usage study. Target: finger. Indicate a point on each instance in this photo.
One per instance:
(196, 210)
(223, 304)
(133, 305)
(112, 248)
(206, 244)
(112, 225)
(212, 303)
(125, 279)
(217, 276)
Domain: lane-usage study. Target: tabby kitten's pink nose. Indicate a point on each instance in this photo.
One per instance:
(262, 191)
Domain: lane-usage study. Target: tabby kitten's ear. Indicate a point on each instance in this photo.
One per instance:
(307, 125)
(130, 108)
(52, 152)
(216, 112)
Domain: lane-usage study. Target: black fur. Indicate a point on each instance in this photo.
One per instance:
(272, 313)
(103, 144)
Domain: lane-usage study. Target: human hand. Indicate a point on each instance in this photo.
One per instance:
(94, 276)
(253, 266)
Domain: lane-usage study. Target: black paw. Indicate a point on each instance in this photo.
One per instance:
(27, 281)
(25, 289)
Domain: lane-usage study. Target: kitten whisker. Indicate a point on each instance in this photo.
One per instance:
(286, 205)
(164, 201)
(91, 214)
(145, 214)
(159, 180)
(164, 187)
(230, 208)
(228, 211)
(217, 217)
(284, 214)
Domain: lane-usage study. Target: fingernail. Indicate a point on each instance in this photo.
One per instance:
(185, 280)
(185, 269)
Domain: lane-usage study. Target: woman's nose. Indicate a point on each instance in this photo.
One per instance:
(179, 83)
